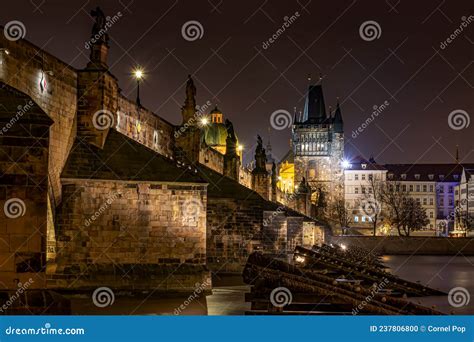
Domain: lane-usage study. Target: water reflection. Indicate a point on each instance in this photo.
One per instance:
(439, 272)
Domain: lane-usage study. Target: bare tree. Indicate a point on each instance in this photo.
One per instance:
(341, 213)
(372, 200)
(403, 211)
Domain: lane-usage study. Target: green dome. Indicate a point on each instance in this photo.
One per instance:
(215, 134)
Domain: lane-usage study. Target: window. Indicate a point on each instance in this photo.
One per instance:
(431, 200)
(356, 190)
(404, 176)
(450, 189)
(404, 187)
(450, 201)
(363, 176)
(364, 166)
(425, 201)
(431, 188)
(371, 176)
(418, 188)
(431, 176)
(441, 201)
(456, 177)
(411, 187)
(441, 177)
(425, 188)
(417, 176)
(363, 189)
(418, 201)
(363, 218)
(356, 218)
(349, 176)
(356, 177)
(431, 214)
(441, 189)
(390, 176)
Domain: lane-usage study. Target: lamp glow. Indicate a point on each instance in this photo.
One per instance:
(345, 164)
(204, 121)
(138, 74)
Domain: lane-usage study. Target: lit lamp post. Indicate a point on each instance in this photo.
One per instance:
(138, 75)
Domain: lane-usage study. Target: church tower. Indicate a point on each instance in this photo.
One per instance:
(318, 147)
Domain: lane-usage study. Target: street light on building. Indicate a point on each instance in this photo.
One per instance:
(138, 74)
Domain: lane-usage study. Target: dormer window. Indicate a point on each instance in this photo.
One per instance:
(456, 177)
(441, 177)
(390, 176)
(431, 176)
(404, 176)
(417, 176)
(364, 166)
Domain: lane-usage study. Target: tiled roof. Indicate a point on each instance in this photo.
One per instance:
(427, 172)
(359, 164)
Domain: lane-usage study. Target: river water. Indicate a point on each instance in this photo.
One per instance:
(439, 272)
(228, 297)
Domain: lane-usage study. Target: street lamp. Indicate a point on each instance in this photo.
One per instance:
(346, 164)
(138, 75)
(204, 121)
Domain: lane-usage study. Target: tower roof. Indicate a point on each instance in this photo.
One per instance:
(314, 108)
(338, 122)
(216, 110)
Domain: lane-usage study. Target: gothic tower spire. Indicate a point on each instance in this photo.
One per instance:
(338, 122)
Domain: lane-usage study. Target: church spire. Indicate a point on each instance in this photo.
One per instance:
(314, 107)
(338, 122)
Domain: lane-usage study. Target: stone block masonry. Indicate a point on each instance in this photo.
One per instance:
(24, 140)
(130, 235)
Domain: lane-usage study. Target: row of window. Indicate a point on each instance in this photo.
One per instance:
(364, 219)
(418, 176)
(363, 176)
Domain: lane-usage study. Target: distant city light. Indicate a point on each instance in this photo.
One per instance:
(343, 246)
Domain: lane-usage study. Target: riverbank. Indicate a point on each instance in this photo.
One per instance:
(413, 245)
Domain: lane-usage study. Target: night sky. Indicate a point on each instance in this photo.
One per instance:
(405, 65)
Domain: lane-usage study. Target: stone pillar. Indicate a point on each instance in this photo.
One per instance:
(260, 184)
(231, 158)
(97, 105)
(97, 89)
(274, 181)
(188, 135)
(260, 179)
